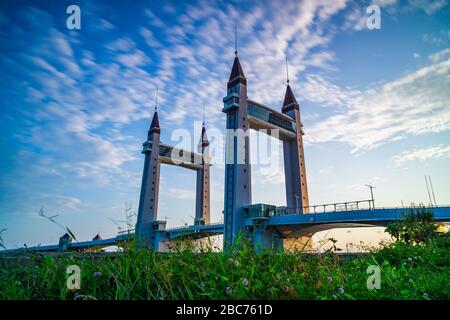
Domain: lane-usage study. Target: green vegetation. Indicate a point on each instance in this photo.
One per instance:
(408, 271)
(416, 227)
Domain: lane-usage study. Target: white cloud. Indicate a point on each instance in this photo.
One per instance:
(441, 55)
(356, 19)
(429, 6)
(422, 154)
(121, 44)
(106, 25)
(268, 175)
(178, 193)
(439, 39)
(149, 37)
(153, 19)
(133, 60)
(415, 104)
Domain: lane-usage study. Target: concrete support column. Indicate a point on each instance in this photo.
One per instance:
(278, 243)
(294, 158)
(148, 202)
(262, 236)
(152, 234)
(202, 207)
(238, 185)
(64, 242)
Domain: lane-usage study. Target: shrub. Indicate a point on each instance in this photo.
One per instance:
(416, 227)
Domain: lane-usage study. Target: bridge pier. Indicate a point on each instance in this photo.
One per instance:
(265, 237)
(278, 242)
(153, 234)
(64, 242)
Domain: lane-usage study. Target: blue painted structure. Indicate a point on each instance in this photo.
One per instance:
(264, 228)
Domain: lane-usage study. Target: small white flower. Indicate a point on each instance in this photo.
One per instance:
(425, 295)
(330, 279)
(341, 290)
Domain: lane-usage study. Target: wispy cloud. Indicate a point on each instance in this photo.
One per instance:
(414, 104)
(179, 193)
(421, 154)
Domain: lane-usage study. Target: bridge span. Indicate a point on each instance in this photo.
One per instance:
(267, 230)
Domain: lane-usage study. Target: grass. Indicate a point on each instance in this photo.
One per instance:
(407, 272)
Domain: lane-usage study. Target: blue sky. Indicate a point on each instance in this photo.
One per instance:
(76, 104)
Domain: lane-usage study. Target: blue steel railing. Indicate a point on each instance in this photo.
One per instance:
(329, 207)
(194, 226)
(345, 206)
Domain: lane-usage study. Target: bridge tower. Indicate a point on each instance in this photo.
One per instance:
(147, 222)
(150, 231)
(202, 207)
(237, 154)
(294, 158)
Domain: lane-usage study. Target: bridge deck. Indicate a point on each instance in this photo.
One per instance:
(288, 224)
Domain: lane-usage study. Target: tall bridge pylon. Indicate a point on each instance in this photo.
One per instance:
(150, 230)
(243, 114)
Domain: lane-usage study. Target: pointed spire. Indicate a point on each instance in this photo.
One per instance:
(289, 100)
(204, 139)
(236, 70)
(154, 127)
(289, 97)
(155, 122)
(237, 74)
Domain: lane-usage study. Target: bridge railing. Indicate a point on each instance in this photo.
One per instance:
(194, 226)
(128, 231)
(331, 207)
(348, 206)
(122, 232)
